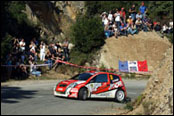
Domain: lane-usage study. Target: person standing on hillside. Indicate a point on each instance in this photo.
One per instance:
(123, 15)
(143, 9)
(65, 49)
(22, 45)
(117, 18)
(42, 51)
(132, 12)
(110, 16)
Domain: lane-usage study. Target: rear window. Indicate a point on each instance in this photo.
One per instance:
(83, 76)
(114, 78)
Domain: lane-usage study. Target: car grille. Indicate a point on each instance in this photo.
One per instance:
(62, 85)
(60, 92)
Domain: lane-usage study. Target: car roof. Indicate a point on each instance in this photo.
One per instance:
(95, 72)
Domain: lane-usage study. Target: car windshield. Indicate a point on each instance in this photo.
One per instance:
(83, 76)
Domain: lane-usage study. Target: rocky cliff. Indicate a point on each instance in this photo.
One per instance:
(54, 17)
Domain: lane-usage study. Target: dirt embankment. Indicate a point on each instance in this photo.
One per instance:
(158, 95)
(143, 46)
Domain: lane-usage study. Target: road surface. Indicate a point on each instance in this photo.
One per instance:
(36, 97)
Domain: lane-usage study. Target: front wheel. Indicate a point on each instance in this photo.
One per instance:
(83, 94)
(120, 96)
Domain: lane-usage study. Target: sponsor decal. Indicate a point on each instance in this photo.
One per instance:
(111, 77)
(74, 90)
(60, 89)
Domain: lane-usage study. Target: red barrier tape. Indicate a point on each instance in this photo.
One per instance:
(95, 68)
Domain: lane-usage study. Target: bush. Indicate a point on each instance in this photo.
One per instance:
(129, 106)
(87, 36)
(6, 46)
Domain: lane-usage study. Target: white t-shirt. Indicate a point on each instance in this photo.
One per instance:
(42, 49)
(110, 17)
(22, 45)
(106, 21)
(171, 24)
(117, 16)
(165, 28)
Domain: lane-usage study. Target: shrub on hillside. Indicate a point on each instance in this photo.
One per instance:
(88, 36)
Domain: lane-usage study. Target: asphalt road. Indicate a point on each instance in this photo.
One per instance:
(36, 97)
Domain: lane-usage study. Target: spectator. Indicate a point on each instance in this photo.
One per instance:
(130, 20)
(117, 18)
(106, 21)
(58, 45)
(22, 57)
(35, 41)
(138, 24)
(65, 49)
(35, 57)
(171, 26)
(145, 24)
(48, 60)
(59, 56)
(139, 15)
(123, 29)
(34, 70)
(115, 30)
(132, 12)
(31, 62)
(143, 9)
(107, 32)
(15, 41)
(165, 29)
(22, 45)
(149, 24)
(158, 28)
(32, 46)
(22, 71)
(42, 51)
(131, 29)
(110, 16)
(123, 15)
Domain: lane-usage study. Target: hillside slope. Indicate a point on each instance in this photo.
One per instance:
(158, 95)
(143, 46)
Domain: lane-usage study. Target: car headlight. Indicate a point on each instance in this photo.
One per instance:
(72, 85)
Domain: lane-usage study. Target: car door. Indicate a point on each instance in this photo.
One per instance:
(99, 84)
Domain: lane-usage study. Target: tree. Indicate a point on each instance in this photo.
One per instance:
(87, 34)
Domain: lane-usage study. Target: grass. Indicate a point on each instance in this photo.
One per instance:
(139, 99)
(129, 106)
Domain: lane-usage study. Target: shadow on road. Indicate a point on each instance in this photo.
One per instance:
(14, 94)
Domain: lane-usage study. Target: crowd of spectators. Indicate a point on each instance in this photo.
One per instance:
(116, 23)
(25, 58)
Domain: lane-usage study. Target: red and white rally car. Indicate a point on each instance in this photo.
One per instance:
(92, 85)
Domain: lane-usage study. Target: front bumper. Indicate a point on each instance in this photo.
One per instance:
(69, 93)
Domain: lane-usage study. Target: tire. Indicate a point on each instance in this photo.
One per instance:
(120, 96)
(83, 94)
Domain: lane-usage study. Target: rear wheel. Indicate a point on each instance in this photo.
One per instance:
(83, 94)
(120, 96)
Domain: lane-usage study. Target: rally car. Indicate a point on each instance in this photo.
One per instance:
(92, 85)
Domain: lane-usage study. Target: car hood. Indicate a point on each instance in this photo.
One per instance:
(68, 82)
